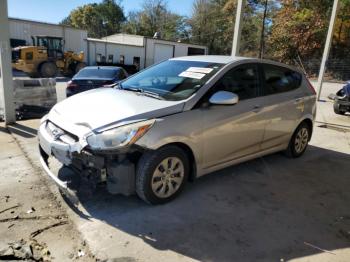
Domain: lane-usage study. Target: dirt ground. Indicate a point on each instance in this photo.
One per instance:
(269, 209)
(31, 213)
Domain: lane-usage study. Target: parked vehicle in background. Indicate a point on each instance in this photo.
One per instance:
(341, 103)
(92, 77)
(130, 69)
(179, 120)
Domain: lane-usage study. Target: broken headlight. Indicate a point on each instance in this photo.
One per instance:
(119, 136)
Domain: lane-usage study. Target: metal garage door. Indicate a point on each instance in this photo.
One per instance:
(163, 52)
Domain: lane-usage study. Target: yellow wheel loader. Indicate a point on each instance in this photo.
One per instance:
(45, 58)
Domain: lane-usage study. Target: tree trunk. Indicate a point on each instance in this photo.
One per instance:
(262, 37)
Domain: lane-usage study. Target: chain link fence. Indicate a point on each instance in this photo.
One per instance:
(337, 70)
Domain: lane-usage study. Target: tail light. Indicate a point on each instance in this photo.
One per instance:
(310, 86)
(71, 84)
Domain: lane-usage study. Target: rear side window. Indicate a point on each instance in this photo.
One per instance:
(279, 79)
(242, 80)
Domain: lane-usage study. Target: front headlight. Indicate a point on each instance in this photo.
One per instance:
(119, 136)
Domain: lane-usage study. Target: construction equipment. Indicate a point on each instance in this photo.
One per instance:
(45, 58)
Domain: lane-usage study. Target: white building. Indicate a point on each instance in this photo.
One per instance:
(136, 49)
(117, 49)
(21, 32)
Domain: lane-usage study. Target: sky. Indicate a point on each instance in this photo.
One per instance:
(53, 11)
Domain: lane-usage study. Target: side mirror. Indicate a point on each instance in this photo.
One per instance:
(224, 98)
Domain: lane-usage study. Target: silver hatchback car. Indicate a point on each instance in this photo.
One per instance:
(176, 121)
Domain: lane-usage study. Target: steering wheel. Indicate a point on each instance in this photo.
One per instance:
(157, 81)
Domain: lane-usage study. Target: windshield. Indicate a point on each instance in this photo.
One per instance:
(173, 79)
(96, 73)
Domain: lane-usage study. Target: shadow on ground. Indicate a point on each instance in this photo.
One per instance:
(22, 130)
(260, 210)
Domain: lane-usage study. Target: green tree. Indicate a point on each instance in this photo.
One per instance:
(299, 29)
(341, 36)
(212, 24)
(155, 17)
(99, 20)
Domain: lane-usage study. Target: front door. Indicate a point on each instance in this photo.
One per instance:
(233, 131)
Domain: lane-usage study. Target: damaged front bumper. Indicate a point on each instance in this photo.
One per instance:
(116, 168)
(62, 185)
(50, 145)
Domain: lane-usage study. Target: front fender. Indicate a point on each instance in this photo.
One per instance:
(184, 128)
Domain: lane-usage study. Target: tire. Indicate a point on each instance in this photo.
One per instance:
(156, 183)
(79, 66)
(337, 109)
(302, 134)
(48, 70)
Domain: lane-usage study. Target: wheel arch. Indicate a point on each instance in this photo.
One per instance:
(40, 65)
(310, 123)
(191, 158)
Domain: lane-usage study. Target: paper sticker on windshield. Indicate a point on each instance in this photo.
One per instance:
(202, 70)
(192, 75)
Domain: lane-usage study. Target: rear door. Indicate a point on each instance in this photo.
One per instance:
(283, 104)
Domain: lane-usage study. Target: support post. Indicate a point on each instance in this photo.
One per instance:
(6, 82)
(327, 48)
(238, 28)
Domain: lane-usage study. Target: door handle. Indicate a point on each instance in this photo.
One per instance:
(298, 98)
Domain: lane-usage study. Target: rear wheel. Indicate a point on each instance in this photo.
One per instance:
(299, 141)
(48, 69)
(161, 174)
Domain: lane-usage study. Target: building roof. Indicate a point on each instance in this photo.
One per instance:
(90, 39)
(129, 38)
(43, 23)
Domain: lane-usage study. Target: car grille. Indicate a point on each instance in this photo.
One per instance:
(59, 134)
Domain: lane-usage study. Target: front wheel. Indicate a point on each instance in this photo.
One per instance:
(299, 141)
(48, 70)
(161, 174)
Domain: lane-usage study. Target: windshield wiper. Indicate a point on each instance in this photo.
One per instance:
(142, 91)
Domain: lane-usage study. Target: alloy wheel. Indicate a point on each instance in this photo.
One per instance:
(301, 140)
(167, 177)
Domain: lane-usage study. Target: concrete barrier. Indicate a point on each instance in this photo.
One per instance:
(33, 97)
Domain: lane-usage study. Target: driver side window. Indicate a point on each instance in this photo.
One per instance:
(242, 80)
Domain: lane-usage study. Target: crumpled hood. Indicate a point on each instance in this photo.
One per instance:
(105, 106)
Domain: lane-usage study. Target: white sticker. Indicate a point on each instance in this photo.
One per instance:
(192, 75)
(202, 70)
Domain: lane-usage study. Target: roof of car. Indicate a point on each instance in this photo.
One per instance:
(103, 67)
(221, 59)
